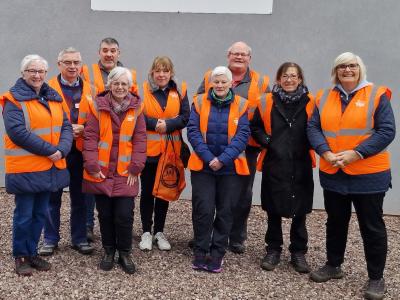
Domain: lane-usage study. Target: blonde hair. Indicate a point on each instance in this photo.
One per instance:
(162, 62)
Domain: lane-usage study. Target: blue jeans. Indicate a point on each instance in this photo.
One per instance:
(29, 216)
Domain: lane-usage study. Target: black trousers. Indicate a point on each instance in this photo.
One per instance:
(149, 203)
(242, 209)
(298, 234)
(213, 200)
(369, 212)
(116, 221)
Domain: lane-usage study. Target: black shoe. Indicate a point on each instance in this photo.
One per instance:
(83, 248)
(326, 273)
(271, 260)
(237, 248)
(126, 262)
(299, 262)
(107, 261)
(23, 266)
(89, 234)
(375, 289)
(39, 263)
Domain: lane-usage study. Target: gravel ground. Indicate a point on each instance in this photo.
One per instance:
(168, 275)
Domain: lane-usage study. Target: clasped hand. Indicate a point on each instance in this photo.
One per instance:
(215, 164)
(161, 126)
(341, 159)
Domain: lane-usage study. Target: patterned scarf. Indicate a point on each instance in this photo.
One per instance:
(119, 107)
(221, 101)
(293, 97)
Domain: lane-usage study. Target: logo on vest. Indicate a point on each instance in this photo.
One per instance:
(236, 121)
(130, 118)
(173, 94)
(360, 103)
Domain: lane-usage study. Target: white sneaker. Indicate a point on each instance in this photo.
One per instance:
(162, 241)
(146, 242)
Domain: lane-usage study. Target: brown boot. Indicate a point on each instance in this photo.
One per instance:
(23, 266)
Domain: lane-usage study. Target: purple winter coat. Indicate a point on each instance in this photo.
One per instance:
(114, 185)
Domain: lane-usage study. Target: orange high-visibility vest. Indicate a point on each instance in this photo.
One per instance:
(345, 131)
(237, 108)
(84, 105)
(156, 142)
(258, 85)
(265, 108)
(93, 76)
(39, 121)
(125, 146)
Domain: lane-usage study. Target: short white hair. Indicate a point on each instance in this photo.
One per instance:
(345, 58)
(67, 50)
(221, 70)
(248, 48)
(116, 73)
(27, 60)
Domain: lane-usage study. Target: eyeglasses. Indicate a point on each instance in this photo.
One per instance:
(116, 84)
(286, 77)
(33, 72)
(352, 67)
(69, 63)
(237, 54)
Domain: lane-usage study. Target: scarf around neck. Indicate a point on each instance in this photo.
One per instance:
(293, 97)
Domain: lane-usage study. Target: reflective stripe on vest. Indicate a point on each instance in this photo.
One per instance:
(125, 146)
(346, 130)
(84, 104)
(95, 76)
(44, 123)
(237, 108)
(155, 141)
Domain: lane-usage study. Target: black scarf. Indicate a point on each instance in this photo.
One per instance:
(288, 98)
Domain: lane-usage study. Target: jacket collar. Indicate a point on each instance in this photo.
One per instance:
(23, 92)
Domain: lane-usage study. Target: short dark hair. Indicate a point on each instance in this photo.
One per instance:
(286, 66)
(109, 41)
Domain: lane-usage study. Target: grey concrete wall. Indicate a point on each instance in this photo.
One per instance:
(310, 32)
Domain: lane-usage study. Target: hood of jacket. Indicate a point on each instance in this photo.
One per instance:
(21, 91)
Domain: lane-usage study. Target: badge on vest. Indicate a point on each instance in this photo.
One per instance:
(130, 118)
(76, 105)
(236, 121)
(360, 103)
(173, 94)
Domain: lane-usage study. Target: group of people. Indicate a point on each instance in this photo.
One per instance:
(89, 129)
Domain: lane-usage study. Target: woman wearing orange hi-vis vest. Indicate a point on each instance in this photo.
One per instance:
(166, 110)
(114, 152)
(351, 128)
(287, 187)
(218, 131)
(38, 138)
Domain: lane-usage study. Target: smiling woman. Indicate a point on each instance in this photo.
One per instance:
(351, 130)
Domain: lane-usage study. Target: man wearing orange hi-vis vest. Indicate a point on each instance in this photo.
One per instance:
(248, 84)
(96, 74)
(77, 96)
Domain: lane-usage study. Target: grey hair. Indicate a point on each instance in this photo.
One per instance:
(116, 73)
(345, 58)
(221, 70)
(247, 47)
(27, 60)
(67, 50)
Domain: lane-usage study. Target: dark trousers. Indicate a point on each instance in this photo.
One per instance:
(369, 212)
(298, 234)
(116, 221)
(78, 204)
(242, 209)
(149, 203)
(213, 200)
